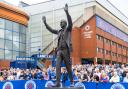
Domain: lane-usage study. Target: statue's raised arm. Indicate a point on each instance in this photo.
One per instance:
(48, 27)
(69, 27)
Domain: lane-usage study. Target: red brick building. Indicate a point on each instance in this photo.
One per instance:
(99, 41)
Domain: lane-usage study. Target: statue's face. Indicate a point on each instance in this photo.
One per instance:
(63, 24)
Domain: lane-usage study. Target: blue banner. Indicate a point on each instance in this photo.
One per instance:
(40, 84)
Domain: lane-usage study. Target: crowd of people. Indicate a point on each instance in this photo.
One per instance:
(82, 73)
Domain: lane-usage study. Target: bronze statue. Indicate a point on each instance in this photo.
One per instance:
(64, 46)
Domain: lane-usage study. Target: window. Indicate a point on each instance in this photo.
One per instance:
(8, 54)
(16, 27)
(15, 54)
(8, 24)
(103, 51)
(22, 29)
(112, 42)
(15, 46)
(116, 54)
(2, 23)
(97, 36)
(15, 36)
(1, 54)
(115, 43)
(101, 38)
(119, 46)
(8, 44)
(123, 47)
(97, 49)
(23, 38)
(22, 54)
(107, 52)
(112, 53)
(2, 33)
(107, 41)
(8, 34)
(22, 47)
(2, 43)
(119, 55)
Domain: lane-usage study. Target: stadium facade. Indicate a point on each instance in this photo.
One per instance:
(100, 32)
(13, 24)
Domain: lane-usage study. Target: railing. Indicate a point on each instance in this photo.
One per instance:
(49, 47)
(40, 65)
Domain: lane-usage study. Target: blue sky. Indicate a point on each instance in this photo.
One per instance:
(122, 5)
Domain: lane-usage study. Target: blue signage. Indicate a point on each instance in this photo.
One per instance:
(25, 58)
(44, 56)
(24, 62)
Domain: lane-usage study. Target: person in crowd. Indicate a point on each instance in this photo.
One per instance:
(49, 70)
(64, 76)
(10, 76)
(84, 76)
(39, 74)
(18, 73)
(104, 77)
(115, 78)
(95, 78)
(46, 77)
(22, 75)
(126, 78)
(1, 78)
(75, 75)
(83, 73)
(98, 73)
(29, 75)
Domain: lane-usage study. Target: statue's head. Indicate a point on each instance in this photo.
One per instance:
(63, 24)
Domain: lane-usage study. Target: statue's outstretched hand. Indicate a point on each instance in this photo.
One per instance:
(66, 7)
(44, 19)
